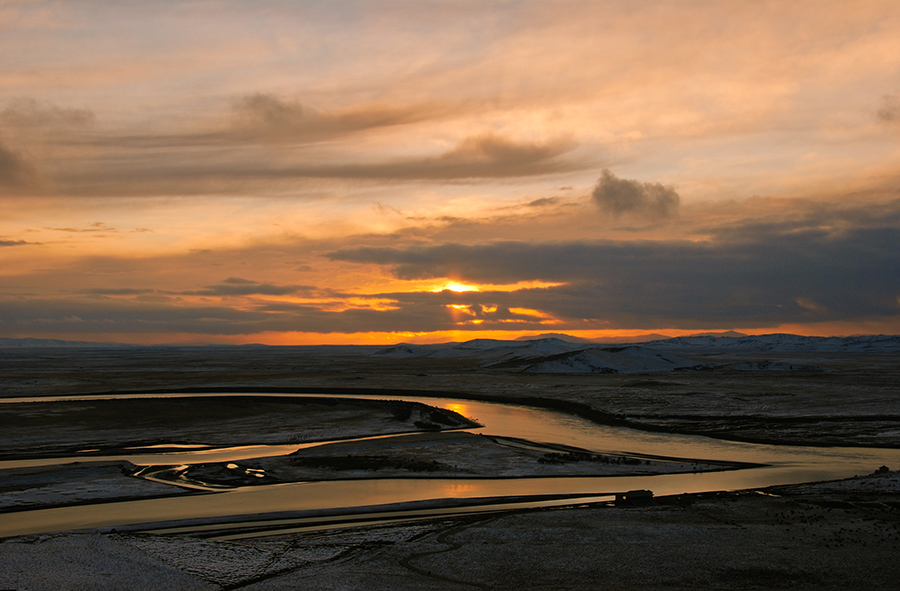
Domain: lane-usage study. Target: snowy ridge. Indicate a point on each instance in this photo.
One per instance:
(783, 343)
(492, 349)
(556, 356)
(593, 360)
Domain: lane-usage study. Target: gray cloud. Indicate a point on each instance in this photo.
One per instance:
(544, 202)
(812, 264)
(267, 117)
(482, 156)
(16, 173)
(235, 286)
(486, 156)
(890, 109)
(226, 155)
(27, 112)
(618, 196)
(94, 227)
(48, 316)
(121, 291)
(791, 276)
(781, 274)
(239, 281)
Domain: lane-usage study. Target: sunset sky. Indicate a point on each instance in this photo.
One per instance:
(296, 172)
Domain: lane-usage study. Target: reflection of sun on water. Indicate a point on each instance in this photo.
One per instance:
(459, 489)
(462, 409)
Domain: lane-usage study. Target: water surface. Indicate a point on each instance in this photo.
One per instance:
(784, 465)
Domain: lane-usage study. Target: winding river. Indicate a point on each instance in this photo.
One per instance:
(783, 465)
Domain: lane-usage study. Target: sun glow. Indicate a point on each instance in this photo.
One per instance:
(457, 287)
(463, 287)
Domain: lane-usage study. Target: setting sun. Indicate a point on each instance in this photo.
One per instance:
(457, 287)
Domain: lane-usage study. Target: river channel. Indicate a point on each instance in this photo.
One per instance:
(782, 465)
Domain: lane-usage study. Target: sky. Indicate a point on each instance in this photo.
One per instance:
(302, 172)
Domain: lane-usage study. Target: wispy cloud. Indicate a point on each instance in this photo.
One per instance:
(485, 156)
(92, 228)
(235, 286)
(270, 118)
(15, 242)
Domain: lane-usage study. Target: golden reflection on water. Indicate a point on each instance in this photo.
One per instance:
(787, 464)
(460, 489)
(463, 409)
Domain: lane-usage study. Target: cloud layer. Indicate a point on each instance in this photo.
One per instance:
(301, 167)
(815, 263)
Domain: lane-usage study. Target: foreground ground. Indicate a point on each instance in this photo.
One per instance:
(829, 536)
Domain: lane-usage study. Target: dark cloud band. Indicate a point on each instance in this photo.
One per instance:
(793, 277)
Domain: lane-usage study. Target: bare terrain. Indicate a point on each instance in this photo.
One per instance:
(101, 427)
(458, 455)
(849, 398)
(837, 536)
(815, 536)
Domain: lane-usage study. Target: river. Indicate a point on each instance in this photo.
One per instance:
(783, 465)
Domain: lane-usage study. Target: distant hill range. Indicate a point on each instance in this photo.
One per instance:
(559, 355)
(782, 343)
(706, 342)
(22, 343)
(554, 355)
